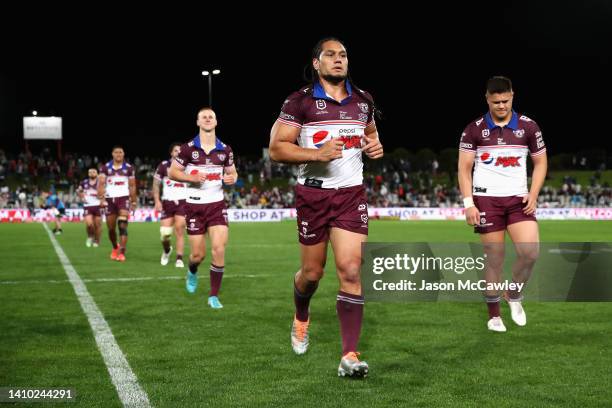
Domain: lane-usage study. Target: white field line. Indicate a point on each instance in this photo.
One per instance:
(129, 390)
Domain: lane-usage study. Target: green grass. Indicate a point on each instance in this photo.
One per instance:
(185, 354)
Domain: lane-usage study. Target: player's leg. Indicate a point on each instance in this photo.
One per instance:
(179, 232)
(526, 238)
(165, 232)
(196, 256)
(218, 241)
(349, 302)
(111, 223)
(305, 283)
(122, 225)
(58, 222)
(97, 230)
(89, 228)
(493, 246)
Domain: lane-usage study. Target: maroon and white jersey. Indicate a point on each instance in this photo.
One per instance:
(117, 179)
(321, 118)
(172, 190)
(90, 192)
(500, 165)
(193, 159)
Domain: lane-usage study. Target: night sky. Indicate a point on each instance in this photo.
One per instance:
(130, 78)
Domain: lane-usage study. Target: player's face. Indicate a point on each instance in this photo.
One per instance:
(175, 151)
(92, 173)
(118, 155)
(500, 104)
(332, 63)
(207, 120)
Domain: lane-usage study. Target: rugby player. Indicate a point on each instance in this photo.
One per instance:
(88, 193)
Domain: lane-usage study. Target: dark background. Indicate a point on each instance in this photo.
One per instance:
(134, 77)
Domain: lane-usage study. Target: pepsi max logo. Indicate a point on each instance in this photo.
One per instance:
(320, 138)
(486, 158)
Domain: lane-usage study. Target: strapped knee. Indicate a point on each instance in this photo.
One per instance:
(122, 222)
(165, 233)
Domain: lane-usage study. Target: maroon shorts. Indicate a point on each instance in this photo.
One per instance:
(199, 217)
(318, 210)
(170, 208)
(115, 204)
(92, 210)
(496, 213)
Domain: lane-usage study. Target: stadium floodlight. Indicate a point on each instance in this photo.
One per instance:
(209, 74)
(34, 113)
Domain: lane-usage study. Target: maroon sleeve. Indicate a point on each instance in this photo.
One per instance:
(535, 141)
(229, 159)
(183, 157)
(161, 171)
(103, 169)
(292, 113)
(131, 173)
(468, 139)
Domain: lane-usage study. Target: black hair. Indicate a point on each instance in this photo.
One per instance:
(117, 147)
(172, 146)
(499, 84)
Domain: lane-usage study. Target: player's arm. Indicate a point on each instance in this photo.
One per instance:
(230, 175)
(102, 189)
(156, 196)
(373, 148)
(177, 173)
(540, 166)
(133, 191)
(466, 162)
(284, 149)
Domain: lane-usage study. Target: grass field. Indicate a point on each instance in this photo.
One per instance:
(185, 354)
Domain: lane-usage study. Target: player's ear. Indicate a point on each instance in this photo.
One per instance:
(316, 64)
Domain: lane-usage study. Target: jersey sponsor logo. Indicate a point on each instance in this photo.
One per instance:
(500, 141)
(462, 135)
(178, 159)
(480, 190)
(525, 118)
(519, 133)
(345, 115)
(321, 104)
(320, 138)
(539, 139)
(479, 121)
(363, 117)
(350, 142)
(466, 145)
(486, 158)
(361, 207)
(508, 161)
(286, 116)
(485, 133)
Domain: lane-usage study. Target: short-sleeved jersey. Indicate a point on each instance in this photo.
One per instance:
(90, 192)
(54, 201)
(500, 165)
(172, 190)
(193, 159)
(117, 180)
(321, 118)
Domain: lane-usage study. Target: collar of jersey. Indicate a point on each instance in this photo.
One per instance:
(218, 143)
(513, 124)
(319, 93)
(111, 164)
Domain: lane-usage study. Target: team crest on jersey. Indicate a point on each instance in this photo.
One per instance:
(519, 133)
(485, 133)
(363, 107)
(321, 104)
(221, 156)
(195, 155)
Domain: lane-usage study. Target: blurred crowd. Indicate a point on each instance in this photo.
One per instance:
(26, 180)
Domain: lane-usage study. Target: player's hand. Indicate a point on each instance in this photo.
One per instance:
(472, 216)
(332, 149)
(373, 148)
(229, 179)
(103, 203)
(158, 206)
(196, 177)
(133, 204)
(532, 203)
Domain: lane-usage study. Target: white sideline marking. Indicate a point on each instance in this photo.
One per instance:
(137, 278)
(125, 381)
